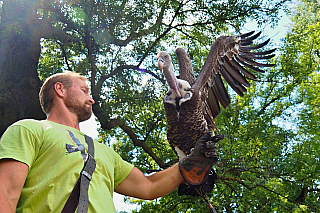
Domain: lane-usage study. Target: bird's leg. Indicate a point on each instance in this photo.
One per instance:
(196, 167)
(210, 146)
(180, 153)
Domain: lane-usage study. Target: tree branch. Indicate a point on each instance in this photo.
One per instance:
(107, 123)
(140, 143)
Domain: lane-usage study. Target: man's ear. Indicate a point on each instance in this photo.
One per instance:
(59, 89)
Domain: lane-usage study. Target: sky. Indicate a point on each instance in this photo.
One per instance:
(90, 126)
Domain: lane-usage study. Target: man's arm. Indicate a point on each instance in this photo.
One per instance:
(150, 187)
(194, 169)
(12, 177)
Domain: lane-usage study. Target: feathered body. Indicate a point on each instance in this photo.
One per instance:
(191, 103)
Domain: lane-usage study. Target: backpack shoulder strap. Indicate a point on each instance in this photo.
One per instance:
(82, 185)
(90, 145)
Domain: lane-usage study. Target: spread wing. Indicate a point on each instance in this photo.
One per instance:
(189, 116)
(185, 66)
(230, 57)
(186, 73)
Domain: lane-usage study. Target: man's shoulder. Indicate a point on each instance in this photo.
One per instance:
(25, 129)
(102, 146)
(31, 125)
(30, 122)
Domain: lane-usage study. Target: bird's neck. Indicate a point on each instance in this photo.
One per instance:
(172, 80)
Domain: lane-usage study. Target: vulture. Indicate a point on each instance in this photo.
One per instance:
(192, 103)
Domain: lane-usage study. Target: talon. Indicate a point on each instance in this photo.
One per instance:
(210, 145)
(217, 138)
(211, 154)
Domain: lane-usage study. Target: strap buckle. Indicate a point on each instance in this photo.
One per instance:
(87, 175)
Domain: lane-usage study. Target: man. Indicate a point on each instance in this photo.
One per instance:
(38, 172)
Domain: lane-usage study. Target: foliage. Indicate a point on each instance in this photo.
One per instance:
(114, 43)
(269, 159)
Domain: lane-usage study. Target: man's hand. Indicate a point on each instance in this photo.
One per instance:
(195, 167)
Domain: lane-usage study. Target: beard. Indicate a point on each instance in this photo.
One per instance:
(81, 110)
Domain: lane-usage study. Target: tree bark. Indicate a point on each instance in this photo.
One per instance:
(19, 56)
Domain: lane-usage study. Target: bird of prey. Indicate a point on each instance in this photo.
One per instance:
(192, 103)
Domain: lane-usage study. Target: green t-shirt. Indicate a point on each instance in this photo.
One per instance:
(53, 171)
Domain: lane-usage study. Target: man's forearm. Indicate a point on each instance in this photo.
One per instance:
(12, 177)
(6, 205)
(150, 187)
(165, 181)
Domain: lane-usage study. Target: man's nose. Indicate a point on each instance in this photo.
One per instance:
(90, 99)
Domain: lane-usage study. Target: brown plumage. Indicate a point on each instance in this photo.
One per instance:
(192, 103)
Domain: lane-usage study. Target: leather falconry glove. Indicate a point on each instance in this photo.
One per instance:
(196, 167)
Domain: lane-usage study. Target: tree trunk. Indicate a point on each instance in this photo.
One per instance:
(19, 55)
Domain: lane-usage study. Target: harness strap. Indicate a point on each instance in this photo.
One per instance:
(90, 145)
(79, 195)
(85, 179)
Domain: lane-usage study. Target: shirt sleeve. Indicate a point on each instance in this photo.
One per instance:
(20, 144)
(122, 169)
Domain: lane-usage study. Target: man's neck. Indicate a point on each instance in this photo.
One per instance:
(71, 120)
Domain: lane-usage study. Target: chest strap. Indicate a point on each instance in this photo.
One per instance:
(79, 195)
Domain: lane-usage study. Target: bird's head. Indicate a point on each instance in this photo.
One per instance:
(164, 60)
(166, 67)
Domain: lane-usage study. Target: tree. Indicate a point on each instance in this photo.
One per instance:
(104, 39)
(269, 159)
(114, 44)
(303, 46)
(19, 56)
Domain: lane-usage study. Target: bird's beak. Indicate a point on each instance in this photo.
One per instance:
(160, 64)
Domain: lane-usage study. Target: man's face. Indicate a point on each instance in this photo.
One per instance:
(78, 100)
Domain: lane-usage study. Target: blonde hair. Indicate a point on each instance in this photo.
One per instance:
(46, 93)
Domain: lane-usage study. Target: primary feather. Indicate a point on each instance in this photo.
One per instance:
(191, 103)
